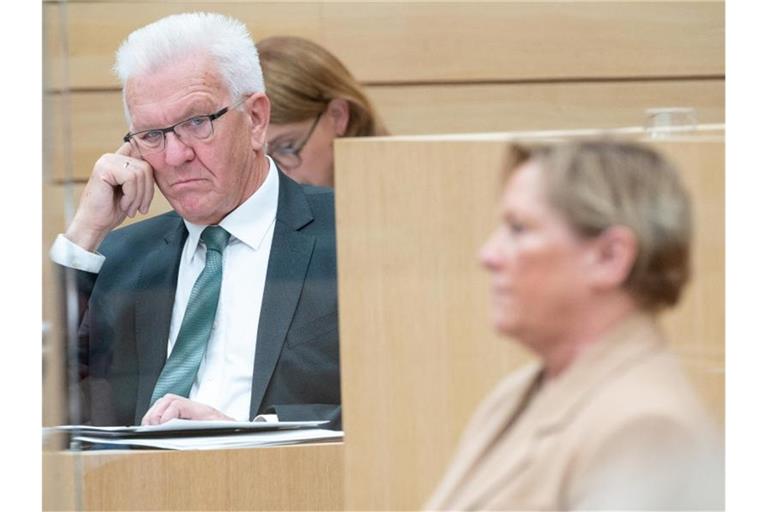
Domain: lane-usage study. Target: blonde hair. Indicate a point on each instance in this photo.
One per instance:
(302, 77)
(599, 184)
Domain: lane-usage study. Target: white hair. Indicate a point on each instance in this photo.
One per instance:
(165, 41)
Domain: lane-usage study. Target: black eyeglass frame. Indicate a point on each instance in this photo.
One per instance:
(296, 152)
(211, 117)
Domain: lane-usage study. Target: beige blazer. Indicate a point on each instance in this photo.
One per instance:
(621, 428)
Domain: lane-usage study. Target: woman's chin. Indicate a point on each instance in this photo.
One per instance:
(505, 325)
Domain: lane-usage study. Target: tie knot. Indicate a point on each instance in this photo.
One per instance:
(215, 238)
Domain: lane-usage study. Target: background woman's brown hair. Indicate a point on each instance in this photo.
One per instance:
(301, 77)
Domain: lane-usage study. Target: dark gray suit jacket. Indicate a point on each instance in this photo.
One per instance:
(128, 304)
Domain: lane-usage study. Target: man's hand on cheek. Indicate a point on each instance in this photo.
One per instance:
(121, 185)
(174, 406)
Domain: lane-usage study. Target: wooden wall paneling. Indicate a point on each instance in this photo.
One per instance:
(444, 41)
(503, 41)
(95, 30)
(417, 351)
(83, 126)
(57, 118)
(54, 359)
(55, 59)
(96, 124)
(423, 109)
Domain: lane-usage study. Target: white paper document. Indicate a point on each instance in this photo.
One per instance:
(191, 426)
(248, 440)
(180, 434)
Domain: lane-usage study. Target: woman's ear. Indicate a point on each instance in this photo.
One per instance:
(257, 107)
(613, 255)
(338, 108)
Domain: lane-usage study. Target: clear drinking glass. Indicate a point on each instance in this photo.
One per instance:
(663, 122)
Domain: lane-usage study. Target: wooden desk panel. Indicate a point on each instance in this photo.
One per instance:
(302, 477)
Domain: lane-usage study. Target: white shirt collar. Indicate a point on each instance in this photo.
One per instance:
(250, 221)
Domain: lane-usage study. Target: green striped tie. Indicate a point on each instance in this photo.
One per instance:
(181, 367)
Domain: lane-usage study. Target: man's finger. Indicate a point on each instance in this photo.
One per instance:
(126, 150)
(149, 192)
(129, 196)
(142, 173)
(147, 419)
(139, 192)
(146, 183)
(173, 411)
(157, 409)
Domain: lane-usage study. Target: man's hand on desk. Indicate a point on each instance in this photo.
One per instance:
(174, 406)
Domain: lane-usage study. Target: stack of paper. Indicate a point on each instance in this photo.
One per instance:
(203, 435)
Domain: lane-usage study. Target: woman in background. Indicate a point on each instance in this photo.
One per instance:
(594, 241)
(314, 100)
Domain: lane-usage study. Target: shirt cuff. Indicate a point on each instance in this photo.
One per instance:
(68, 254)
(270, 418)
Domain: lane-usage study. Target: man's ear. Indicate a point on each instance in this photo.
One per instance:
(338, 108)
(257, 107)
(613, 254)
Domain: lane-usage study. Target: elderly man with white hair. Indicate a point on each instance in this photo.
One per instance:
(225, 307)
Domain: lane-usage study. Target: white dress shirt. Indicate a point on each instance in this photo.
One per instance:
(225, 375)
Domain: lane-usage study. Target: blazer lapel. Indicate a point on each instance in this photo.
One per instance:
(467, 480)
(288, 260)
(500, 467)
(556, 404)
(619, 349)
(154, 304)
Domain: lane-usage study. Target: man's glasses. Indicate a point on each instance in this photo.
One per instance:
(149, 142)
(289, 157)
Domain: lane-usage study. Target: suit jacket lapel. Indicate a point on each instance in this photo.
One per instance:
(475, 476)
(622, 347)
(288, 260)
(154, 304)
(556, 404)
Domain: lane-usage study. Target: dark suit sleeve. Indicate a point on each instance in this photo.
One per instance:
(82, 284)
(106, 356)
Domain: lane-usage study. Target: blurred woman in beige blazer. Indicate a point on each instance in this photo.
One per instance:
(594, 241)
